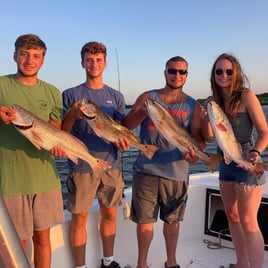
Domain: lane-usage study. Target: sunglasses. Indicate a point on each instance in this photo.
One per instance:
(229, 72)
(175, 71)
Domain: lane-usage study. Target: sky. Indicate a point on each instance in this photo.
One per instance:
(140, 35)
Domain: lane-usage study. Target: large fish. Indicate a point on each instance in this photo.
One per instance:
(108, 129)
(44, 135)
(178, 135)
(227, 141)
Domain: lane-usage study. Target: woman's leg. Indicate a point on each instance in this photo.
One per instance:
(229, 197)
(249, 199)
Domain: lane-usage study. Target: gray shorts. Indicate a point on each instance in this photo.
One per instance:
(35, 212)
(151, 194)
(84, 187)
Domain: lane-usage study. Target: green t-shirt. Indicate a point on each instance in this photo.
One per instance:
(23, 168)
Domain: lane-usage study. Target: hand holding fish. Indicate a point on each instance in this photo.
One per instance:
(7, 115)
(58, 152)
(76, 110)
(122, 144)
(253, 156)
(204, 115)
(191, 157)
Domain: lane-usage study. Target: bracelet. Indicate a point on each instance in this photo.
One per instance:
(255, 151)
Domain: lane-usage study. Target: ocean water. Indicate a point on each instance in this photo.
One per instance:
(128, 158)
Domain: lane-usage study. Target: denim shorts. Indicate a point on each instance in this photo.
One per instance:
(235, 174)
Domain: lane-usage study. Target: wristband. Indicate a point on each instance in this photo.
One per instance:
(255, 151)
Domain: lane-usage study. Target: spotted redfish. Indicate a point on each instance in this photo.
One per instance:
(107, 128)
(44, 135)
(227, 141)
(178, 135)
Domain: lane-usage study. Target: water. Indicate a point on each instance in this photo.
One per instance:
(128, 158)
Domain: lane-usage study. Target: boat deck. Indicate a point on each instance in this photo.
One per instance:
(196, 248)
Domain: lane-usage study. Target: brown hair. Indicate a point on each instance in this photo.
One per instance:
(93, 48)
(176, 58)
(239, 80)
(30, 41)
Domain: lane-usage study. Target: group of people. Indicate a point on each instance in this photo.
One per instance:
(31, 189)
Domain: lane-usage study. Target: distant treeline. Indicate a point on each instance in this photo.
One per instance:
(263, 98)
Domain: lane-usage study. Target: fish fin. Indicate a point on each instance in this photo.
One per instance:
(160, 124)
(73, 159)
(221, 127)
(149, 150)
(213, 161)
(36, 140)
(227, 160)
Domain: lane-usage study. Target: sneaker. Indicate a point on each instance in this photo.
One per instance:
(113, 264)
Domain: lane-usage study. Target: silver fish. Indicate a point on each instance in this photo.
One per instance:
(176, 134)
(108, 129)
(227, 141)
(44, 135)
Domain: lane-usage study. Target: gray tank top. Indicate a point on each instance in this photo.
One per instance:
(242, 127)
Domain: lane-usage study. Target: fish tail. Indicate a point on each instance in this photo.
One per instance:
(213, 161)
(258, 167)
(99, 166)
(149, 150)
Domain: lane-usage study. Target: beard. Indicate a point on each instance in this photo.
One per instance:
(174, 87)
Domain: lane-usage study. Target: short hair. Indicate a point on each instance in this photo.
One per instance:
(30, 41)
(93, 48)
(176, 58)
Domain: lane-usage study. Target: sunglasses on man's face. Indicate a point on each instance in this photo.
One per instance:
(229, 72)
(175, 71)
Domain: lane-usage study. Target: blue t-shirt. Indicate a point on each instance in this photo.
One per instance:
(112, 103)
(168, 161)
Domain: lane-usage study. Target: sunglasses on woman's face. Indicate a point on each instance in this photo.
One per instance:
(229, 72)
(175, 71)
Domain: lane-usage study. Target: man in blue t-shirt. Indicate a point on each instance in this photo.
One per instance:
(83, 185)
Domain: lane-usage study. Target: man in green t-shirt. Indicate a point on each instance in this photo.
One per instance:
(29, 183)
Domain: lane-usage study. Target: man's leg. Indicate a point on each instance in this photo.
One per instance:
(42, 248)
(108, 230)
(145, 234)
(171, 234)
(79, 237)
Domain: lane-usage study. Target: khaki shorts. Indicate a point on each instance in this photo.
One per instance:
(35, 212)
(84, 187)
(151, 194)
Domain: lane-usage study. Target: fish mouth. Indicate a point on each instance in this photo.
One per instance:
(89, 117)
(23, 127)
